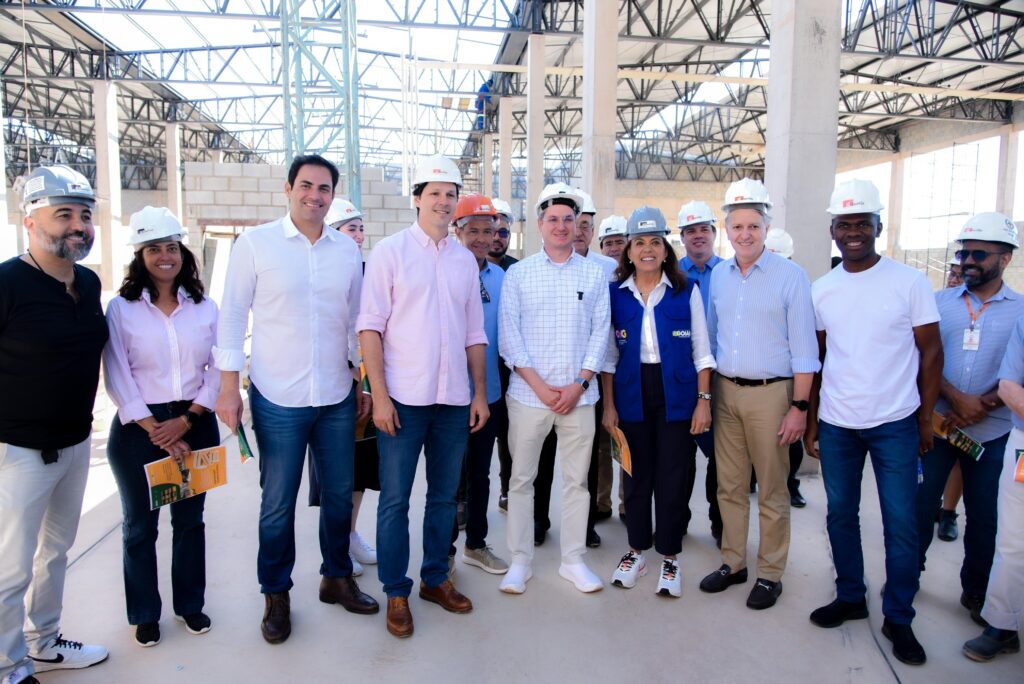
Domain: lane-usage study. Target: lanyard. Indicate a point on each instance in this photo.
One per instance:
(970, 310)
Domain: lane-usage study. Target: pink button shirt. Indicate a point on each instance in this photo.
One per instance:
(424, 300)
(152, 358)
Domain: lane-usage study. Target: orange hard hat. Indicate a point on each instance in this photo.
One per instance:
(474, 204)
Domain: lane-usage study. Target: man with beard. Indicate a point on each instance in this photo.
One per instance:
(52, 333)
(878, 336)
(977, 320)
(499, 246)
(301, 280)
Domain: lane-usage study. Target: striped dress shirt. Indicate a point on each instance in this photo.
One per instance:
(554, 319)
(762, 324)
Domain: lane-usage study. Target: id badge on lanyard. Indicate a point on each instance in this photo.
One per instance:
(972, 334)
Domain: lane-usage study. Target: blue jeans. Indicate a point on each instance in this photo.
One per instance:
(128, 451)
(441, 432)
(283, 434)
(981, 486)
(893, 448)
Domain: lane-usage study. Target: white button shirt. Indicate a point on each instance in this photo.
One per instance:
(304, 299)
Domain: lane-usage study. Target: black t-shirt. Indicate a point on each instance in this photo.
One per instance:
(50, 349)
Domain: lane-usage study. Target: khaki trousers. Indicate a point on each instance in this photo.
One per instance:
(747, 422)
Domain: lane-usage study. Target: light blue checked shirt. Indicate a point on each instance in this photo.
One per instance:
(554, 319)
(975, 372)
(762, 324)
(1012, 367)
(702, 278)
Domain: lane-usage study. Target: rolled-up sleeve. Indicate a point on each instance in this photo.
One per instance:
(702, 357)
(117, 376)
(1012, 367)
(801, 325)
(239, 290)
(207, 394)
(511, 345)
(600, 323)
(375, 302)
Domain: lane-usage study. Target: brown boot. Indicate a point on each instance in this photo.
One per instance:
(345, 591)
(399, 617)
(446, 596)
(277, 623)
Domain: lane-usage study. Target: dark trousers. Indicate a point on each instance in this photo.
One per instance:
(500, 416)
(981, 486)
(706, 442)
(658, 470)
(546, 474)
(477, 473)
(129, 450)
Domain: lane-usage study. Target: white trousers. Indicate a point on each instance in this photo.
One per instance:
(1004, 600)
(527, 429)
(40, 506)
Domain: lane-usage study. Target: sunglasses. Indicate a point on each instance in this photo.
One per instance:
(502, 233)
(975, 254)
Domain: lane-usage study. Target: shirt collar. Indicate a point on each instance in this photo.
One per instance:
(761, 263)
(688, 264)
(290, 231)
(559, 264)
(182, 295)
(421, 237)
(1004, 292)
(630, 283)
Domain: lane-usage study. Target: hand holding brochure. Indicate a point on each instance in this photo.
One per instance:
(173, 479)
(620, 451)
(956, 437)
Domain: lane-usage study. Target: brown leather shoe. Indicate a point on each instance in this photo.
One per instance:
(446, 596)
(277, 622)
(345, 591)
(399, 617)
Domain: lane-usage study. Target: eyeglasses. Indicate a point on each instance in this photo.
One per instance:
(975, 254)
(502, 233)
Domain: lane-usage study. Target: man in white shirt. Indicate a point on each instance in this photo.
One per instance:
(301, 281)
(553, 333)
(878, 337)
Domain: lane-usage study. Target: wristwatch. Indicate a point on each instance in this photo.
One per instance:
(704, 395)
(191, 417)
(801, 405)
(585, 384)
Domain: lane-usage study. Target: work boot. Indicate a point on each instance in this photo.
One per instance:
(277, 621)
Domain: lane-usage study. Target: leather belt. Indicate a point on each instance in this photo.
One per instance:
(747, 382)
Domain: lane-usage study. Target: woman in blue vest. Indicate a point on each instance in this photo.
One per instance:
(656, 382)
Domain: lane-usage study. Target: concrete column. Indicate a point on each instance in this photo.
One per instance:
(487, 165)
(505, 121)
(1006, 182)
(894, 209)
(600, 79)
(172, 143)
(534, 139)
(803, 89)
(108, 178)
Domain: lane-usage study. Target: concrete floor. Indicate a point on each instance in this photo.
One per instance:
(552, 633)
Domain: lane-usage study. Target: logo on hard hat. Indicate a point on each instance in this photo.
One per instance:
(690, 217)
(647, 224)
(485, 207)
(849, 203)
(737, 198)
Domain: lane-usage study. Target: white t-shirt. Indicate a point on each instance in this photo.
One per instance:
(871, 360)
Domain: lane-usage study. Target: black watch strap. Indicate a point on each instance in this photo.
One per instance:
(802, 405)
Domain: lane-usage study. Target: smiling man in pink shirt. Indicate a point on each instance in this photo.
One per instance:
(421, 328)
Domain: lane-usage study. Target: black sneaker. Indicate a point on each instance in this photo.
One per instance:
(196, 623)
(991, 643)
(905, 646)
(603, 515)
(148, 634)
(764, 594)
(974, 603)
(503, 503)
(947, 526)
(721, 579)
(593, 538)
(838, 612)
(539, 533)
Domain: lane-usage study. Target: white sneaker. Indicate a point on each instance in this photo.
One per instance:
(62, 654)
(632, 566)
(668, 583)
(581, 576)
(20, 674)
(357, 567)
(360, 550)
(514, 581)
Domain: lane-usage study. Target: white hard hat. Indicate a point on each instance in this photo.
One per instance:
(341, 211)
(855, 197)
(503, 208)
(779, 242)
(612, 225)
(693, 213)
(554, 191)
(50, 185)
(588, 204)
(990, 226)
(746, 191)
(436, 169)
(153, 224)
